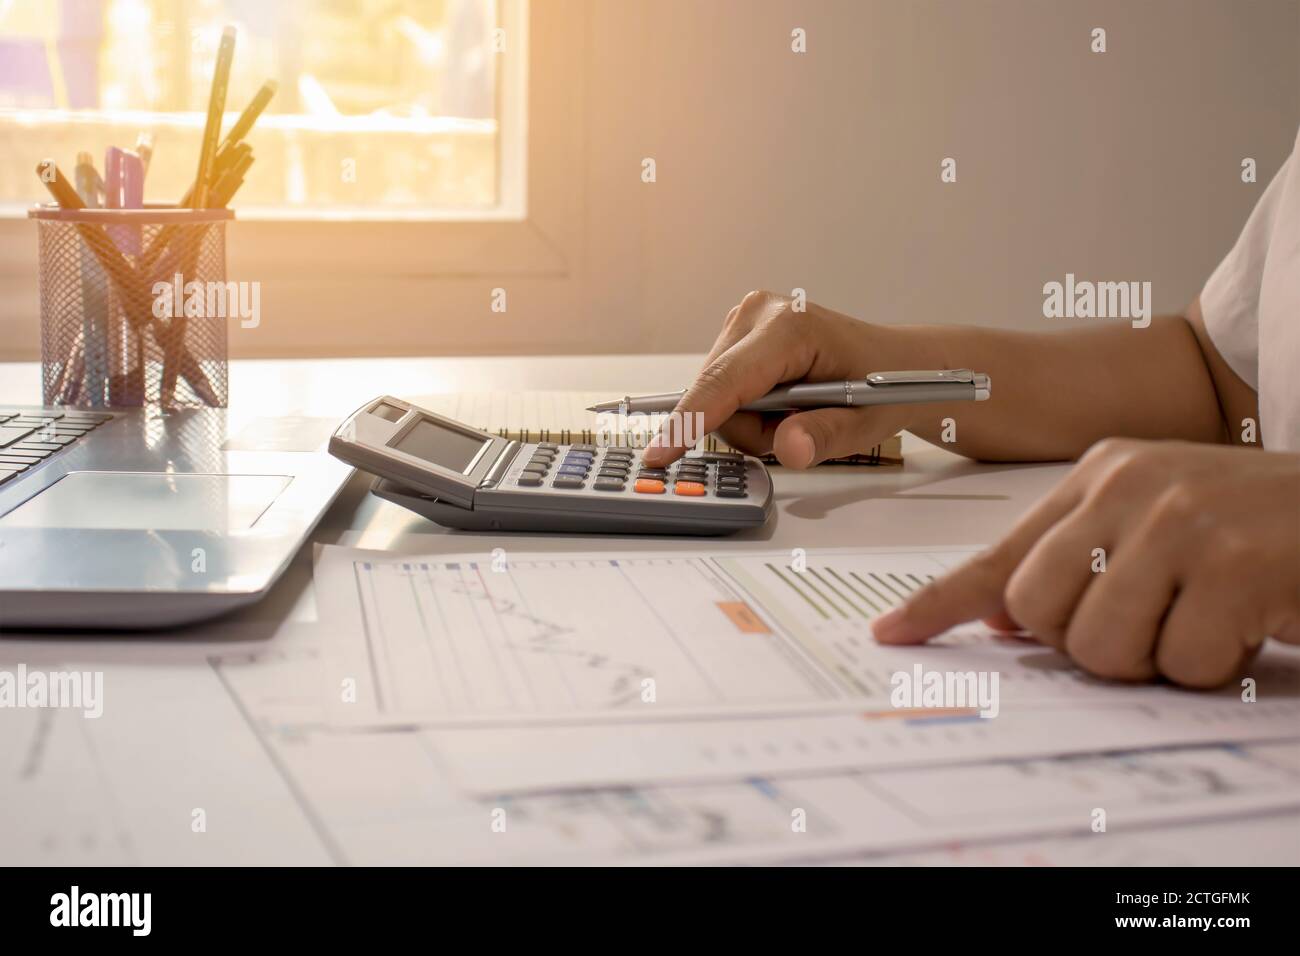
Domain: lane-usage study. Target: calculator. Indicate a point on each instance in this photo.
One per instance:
(461, 477)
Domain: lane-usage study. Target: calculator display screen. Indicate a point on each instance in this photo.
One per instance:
(443, 446)
(389, 413)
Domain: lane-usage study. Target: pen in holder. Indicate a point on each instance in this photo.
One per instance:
(134, 305)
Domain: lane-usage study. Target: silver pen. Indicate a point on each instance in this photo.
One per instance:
(878, 388)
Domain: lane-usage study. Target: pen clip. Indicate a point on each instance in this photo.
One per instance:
(956, 375)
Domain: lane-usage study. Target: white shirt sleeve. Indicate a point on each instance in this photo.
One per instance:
(1230, 299)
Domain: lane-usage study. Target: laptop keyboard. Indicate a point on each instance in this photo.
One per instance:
(28, 437)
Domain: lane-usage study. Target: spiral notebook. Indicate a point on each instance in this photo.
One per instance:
(562, 416)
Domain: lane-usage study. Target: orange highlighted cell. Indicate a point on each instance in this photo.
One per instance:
(648, 486)
(688, 489)
(743, 616)
(915, 713)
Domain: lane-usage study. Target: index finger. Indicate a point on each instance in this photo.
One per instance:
(747, 370)
(976, 588)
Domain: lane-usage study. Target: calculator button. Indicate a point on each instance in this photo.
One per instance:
(618, 453)
(540, 462)
(532, 469)
(726, 469)
(731, 491)
(648, 486)
(619, 473)
(688, 489)
(547, 446)
(590, 448)
(584, 461)
(528, 480)
(608, 484)
(692, 474)
(572, 472)
(658, 474)
(543, 453)
(731, 482)
(567, 481)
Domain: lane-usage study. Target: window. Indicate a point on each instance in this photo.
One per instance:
(386, 109)
(346, 278)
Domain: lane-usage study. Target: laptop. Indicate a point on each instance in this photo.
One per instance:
(132, 518)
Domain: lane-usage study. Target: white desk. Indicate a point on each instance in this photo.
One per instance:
(936, 498)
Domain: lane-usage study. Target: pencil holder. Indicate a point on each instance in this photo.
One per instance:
(134, 306)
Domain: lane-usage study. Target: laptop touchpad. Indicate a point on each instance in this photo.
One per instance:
(156, 501)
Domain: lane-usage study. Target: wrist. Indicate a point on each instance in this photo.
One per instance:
(907, 348)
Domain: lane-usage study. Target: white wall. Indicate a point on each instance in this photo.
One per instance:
(821, 171)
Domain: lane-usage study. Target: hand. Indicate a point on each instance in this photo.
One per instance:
(764, 343)
(1202, 560)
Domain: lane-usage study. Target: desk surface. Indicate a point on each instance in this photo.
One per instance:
(936, 498)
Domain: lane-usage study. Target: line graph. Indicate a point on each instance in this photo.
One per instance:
(552, 636)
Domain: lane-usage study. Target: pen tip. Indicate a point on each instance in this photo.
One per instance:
(593, 408)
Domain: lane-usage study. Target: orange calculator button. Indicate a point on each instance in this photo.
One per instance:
(648, 486)
(691, 489)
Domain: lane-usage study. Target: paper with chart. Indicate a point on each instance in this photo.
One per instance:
(384, 798)
(531, 636)
(236, 733)
(543, 635)
(560, 648)
(548, 757)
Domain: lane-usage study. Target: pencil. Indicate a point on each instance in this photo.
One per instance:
(188, 368)
(237, 132)
(216, 108)
(94, 304)
(116, 266)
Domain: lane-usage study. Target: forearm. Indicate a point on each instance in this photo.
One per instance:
(1056, 393)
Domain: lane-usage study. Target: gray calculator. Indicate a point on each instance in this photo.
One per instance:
(461, 477)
